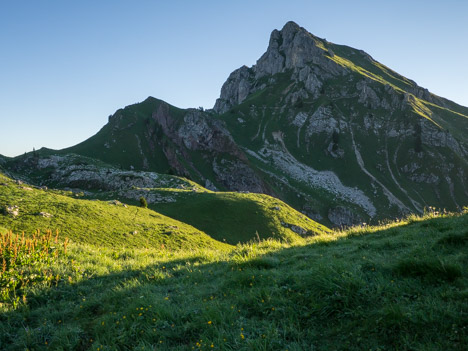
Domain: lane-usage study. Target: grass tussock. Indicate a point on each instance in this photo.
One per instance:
(430, 269)
(454, 240)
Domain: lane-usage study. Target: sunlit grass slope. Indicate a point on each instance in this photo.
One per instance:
(237, 217)
(225, 216)
(102, 223)
(402, 286)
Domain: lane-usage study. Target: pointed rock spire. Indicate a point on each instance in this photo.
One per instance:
(291, 47)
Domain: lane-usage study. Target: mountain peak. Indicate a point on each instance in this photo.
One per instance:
(291, 47)
(290, 30)
(291, 26)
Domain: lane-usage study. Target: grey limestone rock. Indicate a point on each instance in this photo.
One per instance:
(292, 47)
(296, 96)
(300, 119)
(195, 131)
(368, 95)
(298, 230)
(321, 121)
(210, 186)
(295, 228)
(335, 151)
(311, 81)
(342, 216)
(237, 176)
(311, 213)
(434, 136)
(424, 178)
(234, 90)
(272, 61)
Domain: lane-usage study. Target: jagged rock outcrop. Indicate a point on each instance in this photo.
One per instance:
(292, 48)
(432, 136)
(234, 91)
(322, 121)
(311, 81)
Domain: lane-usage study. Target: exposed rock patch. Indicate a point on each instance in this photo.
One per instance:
(237, 176)
(11, 210)
(343, 217)
(44, 214)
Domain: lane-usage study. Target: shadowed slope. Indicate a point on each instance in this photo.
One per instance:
(401, 286)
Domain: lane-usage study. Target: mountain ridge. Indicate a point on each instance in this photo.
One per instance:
(324, 127)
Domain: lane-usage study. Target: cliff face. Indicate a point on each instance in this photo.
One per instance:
(322, 126)
(197, 142)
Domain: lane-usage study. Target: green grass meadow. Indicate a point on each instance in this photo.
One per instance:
(400, 286)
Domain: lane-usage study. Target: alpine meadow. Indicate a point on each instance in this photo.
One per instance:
(321, 204)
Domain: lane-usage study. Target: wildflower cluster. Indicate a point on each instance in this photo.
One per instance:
(433, 212)
(27, 261)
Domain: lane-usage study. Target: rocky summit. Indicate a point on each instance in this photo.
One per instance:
(324, 127)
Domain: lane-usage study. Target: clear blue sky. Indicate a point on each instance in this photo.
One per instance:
(65, 66)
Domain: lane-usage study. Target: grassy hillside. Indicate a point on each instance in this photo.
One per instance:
(122, 142)
(193, 210)
(237, 217)
(111, 224)
(402, 286)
